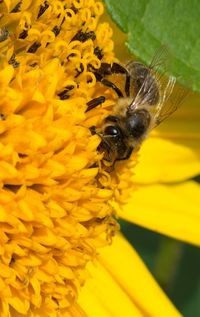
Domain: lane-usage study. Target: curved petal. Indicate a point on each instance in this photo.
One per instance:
(173, 210)
(183, 127)
(161, 160)
(120, 268)
(102, 296)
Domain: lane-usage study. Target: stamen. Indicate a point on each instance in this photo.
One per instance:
(84, 36)
(33, 48)
(98, 53)
(95, 102)
(42, 9)
(23, 34)
(16, 8)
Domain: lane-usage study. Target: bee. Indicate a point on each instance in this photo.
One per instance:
(147, 103)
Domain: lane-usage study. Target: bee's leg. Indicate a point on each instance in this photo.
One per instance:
(103, 146)
(106, 147)
(126, 156)
(113, 86)
(105, 69)
(93, 130)
(108, 83)
(119, 69)
(115, 68)
(107, 151)
(95, 102)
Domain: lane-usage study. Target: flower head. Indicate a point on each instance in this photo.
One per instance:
(56, 200)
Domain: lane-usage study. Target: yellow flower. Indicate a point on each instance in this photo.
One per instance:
(57, 202)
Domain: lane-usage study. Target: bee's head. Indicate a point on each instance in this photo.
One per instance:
(114, 142)
(138, 122)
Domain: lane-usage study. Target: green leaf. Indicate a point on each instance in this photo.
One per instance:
(153, 23)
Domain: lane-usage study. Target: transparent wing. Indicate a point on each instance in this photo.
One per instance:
(166, 86)
(150, 83)
(161, 59)
(171, 103)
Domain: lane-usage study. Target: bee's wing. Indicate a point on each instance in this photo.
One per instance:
(153, 81)
(168, 102)
(161, 59)
(171, 102)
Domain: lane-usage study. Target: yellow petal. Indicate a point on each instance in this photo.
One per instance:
(20, 304)
(185, 122)
(102, 296)
(6, 75)
(173, 210)
(122, 286)
(164, 161)
(184, 126)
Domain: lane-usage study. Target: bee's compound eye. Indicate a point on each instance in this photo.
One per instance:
(112, 130)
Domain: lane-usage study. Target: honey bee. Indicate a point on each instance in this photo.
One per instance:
(147, 103)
